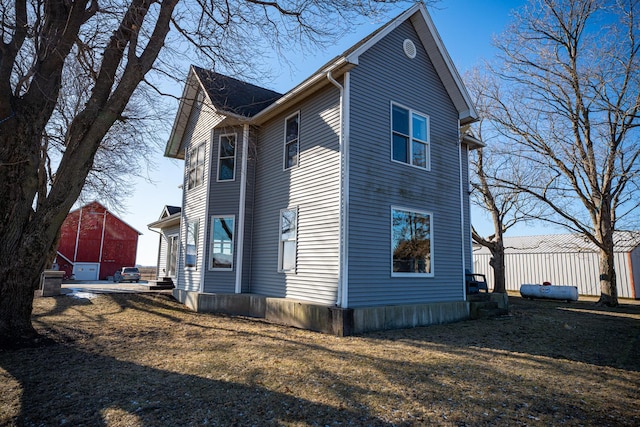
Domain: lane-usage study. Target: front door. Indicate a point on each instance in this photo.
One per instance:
(172, 256)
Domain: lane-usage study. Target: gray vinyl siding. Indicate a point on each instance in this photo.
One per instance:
(194, 202)
(223, 201)
(386, 75)
(313, 188)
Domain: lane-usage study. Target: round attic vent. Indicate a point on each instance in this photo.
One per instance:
(409, 48)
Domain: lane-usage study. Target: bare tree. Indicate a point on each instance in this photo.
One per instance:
(125, 152)
(568, 104)
(115, 44)
(489, 166)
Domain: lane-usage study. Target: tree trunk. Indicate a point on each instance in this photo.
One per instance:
(608, 284)
(28, 235)
(16, 304)
(604, 227)
(497, 263)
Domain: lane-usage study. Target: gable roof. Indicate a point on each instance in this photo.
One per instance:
(170, 210)
(234, 96)
(256, 105)
(170, 216)
(95, 204)
(624, 241)
(432, 43)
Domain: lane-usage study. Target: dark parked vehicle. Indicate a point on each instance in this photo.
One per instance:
(128, 274)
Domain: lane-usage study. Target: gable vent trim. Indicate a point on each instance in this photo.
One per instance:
(409, 48)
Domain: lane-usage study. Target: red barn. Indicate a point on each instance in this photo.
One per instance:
(94, 243)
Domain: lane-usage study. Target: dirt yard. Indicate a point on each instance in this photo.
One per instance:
(144, 360)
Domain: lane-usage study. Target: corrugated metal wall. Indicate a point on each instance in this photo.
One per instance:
(574, 269)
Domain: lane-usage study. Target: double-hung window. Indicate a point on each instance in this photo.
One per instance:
(292, 141)
(410, 137)
(227, 157)
(412, 242)
(196, 166)
(288, 240)
(221, 251)
(191, 258)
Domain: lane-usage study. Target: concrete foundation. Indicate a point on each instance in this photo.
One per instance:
(326, 319)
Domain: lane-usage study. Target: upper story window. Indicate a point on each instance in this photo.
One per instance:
(291, 140)
(196, 166)
(410, 137)
(412, 242)
(227, 157)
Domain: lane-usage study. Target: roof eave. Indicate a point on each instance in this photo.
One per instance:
(443, 64)
(338, 67)
(185, 106)
(165, 222)
(430, 39)
(473, 142)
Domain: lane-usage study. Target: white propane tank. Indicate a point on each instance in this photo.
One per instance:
(561, 292)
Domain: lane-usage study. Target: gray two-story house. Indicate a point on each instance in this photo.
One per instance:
(340, 206)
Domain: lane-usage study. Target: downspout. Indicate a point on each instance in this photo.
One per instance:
(343, 138)
(242, 208)
(462, 215)
(104, 225)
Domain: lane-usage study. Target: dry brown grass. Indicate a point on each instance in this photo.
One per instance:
(144, 360)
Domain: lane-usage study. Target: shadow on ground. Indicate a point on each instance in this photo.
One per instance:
(576, 331)
(95, 390)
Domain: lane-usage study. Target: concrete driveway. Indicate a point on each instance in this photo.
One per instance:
(105, 286)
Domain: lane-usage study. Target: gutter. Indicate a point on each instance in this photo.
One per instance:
(308, 84)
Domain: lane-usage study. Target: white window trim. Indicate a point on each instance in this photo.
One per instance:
(235, 156)
(233, 243)
(280, 242)
(284, 148)
(428, 141)
(204, 164)
(431, 246)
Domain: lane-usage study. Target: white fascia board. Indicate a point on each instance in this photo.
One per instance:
(443, 64)
(317, 80)
(165, 222)
(353, 57)
(185, 106)
(192, 86)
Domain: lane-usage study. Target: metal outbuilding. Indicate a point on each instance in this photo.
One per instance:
(564, 259)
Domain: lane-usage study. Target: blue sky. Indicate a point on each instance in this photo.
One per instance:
(467, 28)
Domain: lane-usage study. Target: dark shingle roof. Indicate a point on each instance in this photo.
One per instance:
(173, 209)
(235, 96)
